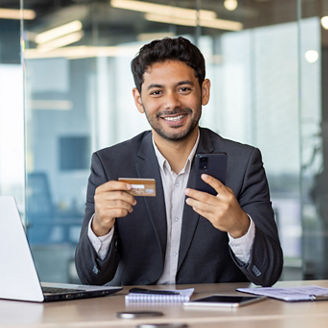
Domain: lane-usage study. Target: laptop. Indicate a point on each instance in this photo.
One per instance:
(18, 276)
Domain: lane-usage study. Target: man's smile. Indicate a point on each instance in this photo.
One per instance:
(173, 118)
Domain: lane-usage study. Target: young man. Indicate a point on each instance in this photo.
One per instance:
(182, 235)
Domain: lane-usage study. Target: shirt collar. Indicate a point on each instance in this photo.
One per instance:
(162, 161)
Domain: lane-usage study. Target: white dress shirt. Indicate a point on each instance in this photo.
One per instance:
(173, 187)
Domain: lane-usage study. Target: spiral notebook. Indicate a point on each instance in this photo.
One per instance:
(141, 295)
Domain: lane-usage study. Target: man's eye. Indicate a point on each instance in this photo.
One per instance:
(155, 93)
(185, 89)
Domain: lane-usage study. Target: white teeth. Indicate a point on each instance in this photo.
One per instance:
(173, 118)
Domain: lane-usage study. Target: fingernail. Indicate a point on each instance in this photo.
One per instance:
(187, 190)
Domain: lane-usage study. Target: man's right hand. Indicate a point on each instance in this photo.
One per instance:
(112, 201)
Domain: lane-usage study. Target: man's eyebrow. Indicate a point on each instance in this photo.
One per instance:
(185, 82)
(154, 85)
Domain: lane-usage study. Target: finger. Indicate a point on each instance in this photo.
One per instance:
(216, 184)
(114, 185)
(112, 209)
(117, 212)
(200, 207)
(203, 211)
(105, 196)
(114, 204)
(209, 213)
(104, 219)
(200, 196)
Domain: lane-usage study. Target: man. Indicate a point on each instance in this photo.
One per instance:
(182, 235)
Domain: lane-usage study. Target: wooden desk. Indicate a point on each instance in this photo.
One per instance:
(101, 312)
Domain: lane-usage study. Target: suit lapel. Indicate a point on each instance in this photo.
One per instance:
(190, 217)
(147, 167)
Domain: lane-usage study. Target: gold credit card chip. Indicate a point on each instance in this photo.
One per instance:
(140, 186)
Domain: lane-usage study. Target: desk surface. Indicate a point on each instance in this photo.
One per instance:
(101, 312)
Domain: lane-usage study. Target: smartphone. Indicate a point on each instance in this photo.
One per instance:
(214, 164)
(223, 301)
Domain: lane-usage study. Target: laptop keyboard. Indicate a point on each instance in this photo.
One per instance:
(57, 290)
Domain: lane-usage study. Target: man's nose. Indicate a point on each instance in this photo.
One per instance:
(172, 100)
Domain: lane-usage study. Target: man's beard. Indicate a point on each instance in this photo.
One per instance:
(174, 136)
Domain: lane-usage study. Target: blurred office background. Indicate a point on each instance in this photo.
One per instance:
(65, 91)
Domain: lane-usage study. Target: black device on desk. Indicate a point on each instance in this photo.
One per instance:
(138, 314)
(163, 325)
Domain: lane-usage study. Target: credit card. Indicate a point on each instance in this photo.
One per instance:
(140, 186)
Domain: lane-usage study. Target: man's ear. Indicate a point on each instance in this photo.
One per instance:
(206, 91)
(137, 100)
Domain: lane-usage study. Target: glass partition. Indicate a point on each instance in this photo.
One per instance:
(78, 99)
(266, 61)
(11, 104)
(313, 127)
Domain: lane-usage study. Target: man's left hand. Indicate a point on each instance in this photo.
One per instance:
(222, 210)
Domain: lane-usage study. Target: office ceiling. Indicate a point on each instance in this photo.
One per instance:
(107, 25)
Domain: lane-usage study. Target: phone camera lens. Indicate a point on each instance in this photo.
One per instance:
(203, 163)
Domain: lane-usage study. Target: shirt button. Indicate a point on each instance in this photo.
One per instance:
(176, 219)
(95, 270)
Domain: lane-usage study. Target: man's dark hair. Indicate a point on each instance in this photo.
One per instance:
(179, 49)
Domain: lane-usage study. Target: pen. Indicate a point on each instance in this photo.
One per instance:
(319, 297)
(151, 291)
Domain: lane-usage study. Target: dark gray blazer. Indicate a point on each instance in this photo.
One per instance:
(137, 251)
